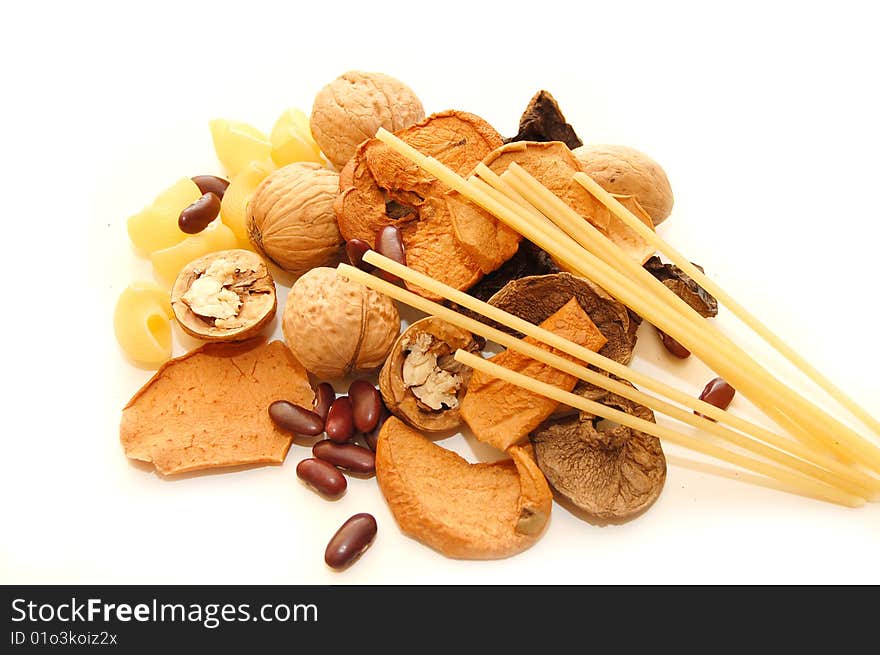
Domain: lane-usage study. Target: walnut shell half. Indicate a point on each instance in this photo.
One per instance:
(224, 296)
(424, 354)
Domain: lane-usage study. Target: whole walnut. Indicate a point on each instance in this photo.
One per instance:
(337, 328)
(291, 220)
(354, 106)
(626, 171)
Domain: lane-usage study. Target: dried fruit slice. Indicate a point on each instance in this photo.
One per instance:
(378, 187)
(553, 164)
(502, 414)
(462, 510)
(208, 408)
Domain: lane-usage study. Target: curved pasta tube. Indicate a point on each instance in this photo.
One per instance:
(156, 227)
(169, 262)
(142, 322)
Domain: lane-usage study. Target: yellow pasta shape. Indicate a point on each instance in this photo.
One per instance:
(169, 262)
(233, 208)
(142, 322)
(155, 228)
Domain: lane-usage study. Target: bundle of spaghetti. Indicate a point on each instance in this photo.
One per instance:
(592, 255)
(802, 471)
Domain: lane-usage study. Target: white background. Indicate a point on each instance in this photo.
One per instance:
(764, 116)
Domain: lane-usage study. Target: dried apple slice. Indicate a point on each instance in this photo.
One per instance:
(379, 187)
(502, 414)
(208, 408)
(553, 164)
(462, 510)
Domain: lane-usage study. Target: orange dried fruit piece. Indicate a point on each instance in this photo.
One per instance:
(553, 165)
(209, 408)
(502, 414)
(379, 187)
(463, 510)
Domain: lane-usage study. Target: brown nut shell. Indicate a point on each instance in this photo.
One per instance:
(400, 399)
(291, 219)
(245, 275)
(627, 171)
(336, 327)
(462, 510)
(356, 104)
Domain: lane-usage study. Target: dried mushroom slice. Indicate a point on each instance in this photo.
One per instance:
(684, 286)
(553, 164)
(528, 260)
(224, 296)
(535, 298)
(543, 121)
(421, 382)
(462, 510)
(451, 240)
(607, 470)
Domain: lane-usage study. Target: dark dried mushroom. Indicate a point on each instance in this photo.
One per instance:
(543, 121)
(683, 286)
(607, 470)
(421, 382)
(528, 260)
(535, 298)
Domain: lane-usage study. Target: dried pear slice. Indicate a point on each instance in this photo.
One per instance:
(462, 510)
(502, 414)
(208, 408)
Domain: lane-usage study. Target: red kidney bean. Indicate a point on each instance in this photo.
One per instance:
(197, 216)
(372, 437)
(356, 249)
(717, 392)
(324, 397)
(350, 541)
(211, 184)
(294, 418)
(366, 404)
(349, 456)
(339, 425)
(389, 243)
(673, 346)
(322, 476)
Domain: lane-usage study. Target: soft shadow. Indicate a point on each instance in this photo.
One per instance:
(735, 474)
(725, 472)
(174, 477)
(585, 516)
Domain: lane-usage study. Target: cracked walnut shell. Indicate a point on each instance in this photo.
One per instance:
(421, 382)
(224, 296)
(336, 327)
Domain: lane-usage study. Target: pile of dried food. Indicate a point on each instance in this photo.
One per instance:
(319, 190)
